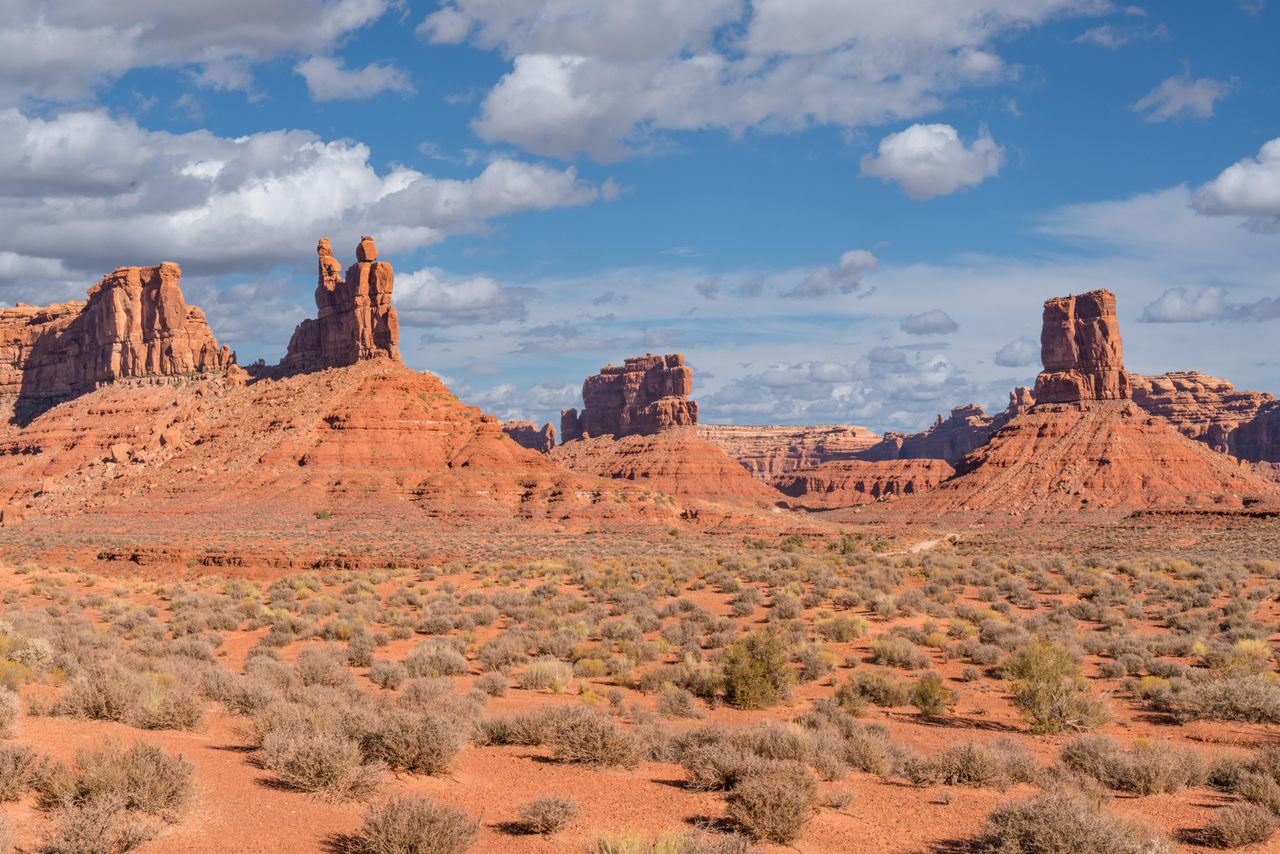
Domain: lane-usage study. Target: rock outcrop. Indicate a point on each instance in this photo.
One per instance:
(967, 429)
(356, 320)
(135, 323)
(769, 451)
(646, 394)
(1081, 350)
(1085, 447)
(848, 483)
(1245, 424)
(526, 434)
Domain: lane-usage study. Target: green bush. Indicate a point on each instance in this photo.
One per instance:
(755, 671)
(931, 696)
(892, 651)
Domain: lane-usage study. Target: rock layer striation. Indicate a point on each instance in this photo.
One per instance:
(642, 396)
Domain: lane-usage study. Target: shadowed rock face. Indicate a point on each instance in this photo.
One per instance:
(134, 324)
(356, 319)
(646, 394)
(526, 434)
(1081, 350)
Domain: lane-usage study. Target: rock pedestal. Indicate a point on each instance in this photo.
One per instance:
(1081, 350)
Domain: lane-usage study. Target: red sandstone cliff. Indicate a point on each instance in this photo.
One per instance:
(526, 434)
(1245, 424)
(135, 323)
(1081, 350)
(847, 483)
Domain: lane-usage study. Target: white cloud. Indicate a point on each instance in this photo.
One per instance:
(60, 49)
(709, 287)
(328, 80)
(846, 278)
(1179, 305)
(93, 192)
(609, 79)
(1183, 97)
(931, 160)
(935, 322)
(1018, 353)
(1249, 188)
(1111, 37)
(428, 298)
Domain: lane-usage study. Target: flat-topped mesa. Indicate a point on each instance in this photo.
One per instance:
(646, 394)
(1081, 350)
(356, 320)
(135, 323)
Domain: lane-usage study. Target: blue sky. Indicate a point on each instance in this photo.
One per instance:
(839, 210)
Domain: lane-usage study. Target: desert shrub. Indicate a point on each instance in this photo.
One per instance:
(318, 666)
(493, 683)
(6, 835)
(591, 738)
(141, 778)
(1147, 769)
(867, 749)
(1239, 825)
(166, 703)
(997, 765)
(931, 696)
(879, 687)
(418, 742)
(387, 675)
(676, 702)
(814, 663)
(360, 649)
(718, 766)
(435, 659)
(1048, 689)
(545, 674)
(102, 691)
(1260, 789)
(774, 802)
(101, 826)
(415, 825)
(892, 651)
(696, 842)
(503, 652)
(1064, 822)
(548, 815)
(328, 765)
(20, 769)
(1250, 699)
(755, 671)
(10, 712)
(841, 629)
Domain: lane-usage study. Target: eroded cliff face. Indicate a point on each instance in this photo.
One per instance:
(642, 396)
(135, 323)
(769, 451)
(356, 320)
(1245, 424)
(1081, 350)
(964, 431)
(848, 483)
(526, 434)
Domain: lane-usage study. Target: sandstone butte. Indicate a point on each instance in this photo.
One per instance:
(769, 451)
(135, 323)
(639, 424)
(160, 455)
(1244, 424)
(1085, 446)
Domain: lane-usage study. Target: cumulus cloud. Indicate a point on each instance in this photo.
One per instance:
(935, 322)
(1249, 188)
(60, 49)
(92, 192)
(328, 80)
(846, 278)
(1183, 98)
(1018, 353)
(931, 160)
(605, 79)
(1179, 305)
(429, 298)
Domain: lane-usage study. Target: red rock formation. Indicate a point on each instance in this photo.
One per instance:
(675, 461)
(527, 435)
(769, 451)
(356, 319)
(1081, 350)
(847, 483)
(967, 429)
(1085, 449)
(646, 394)
(1245, 424)
(134, 324)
